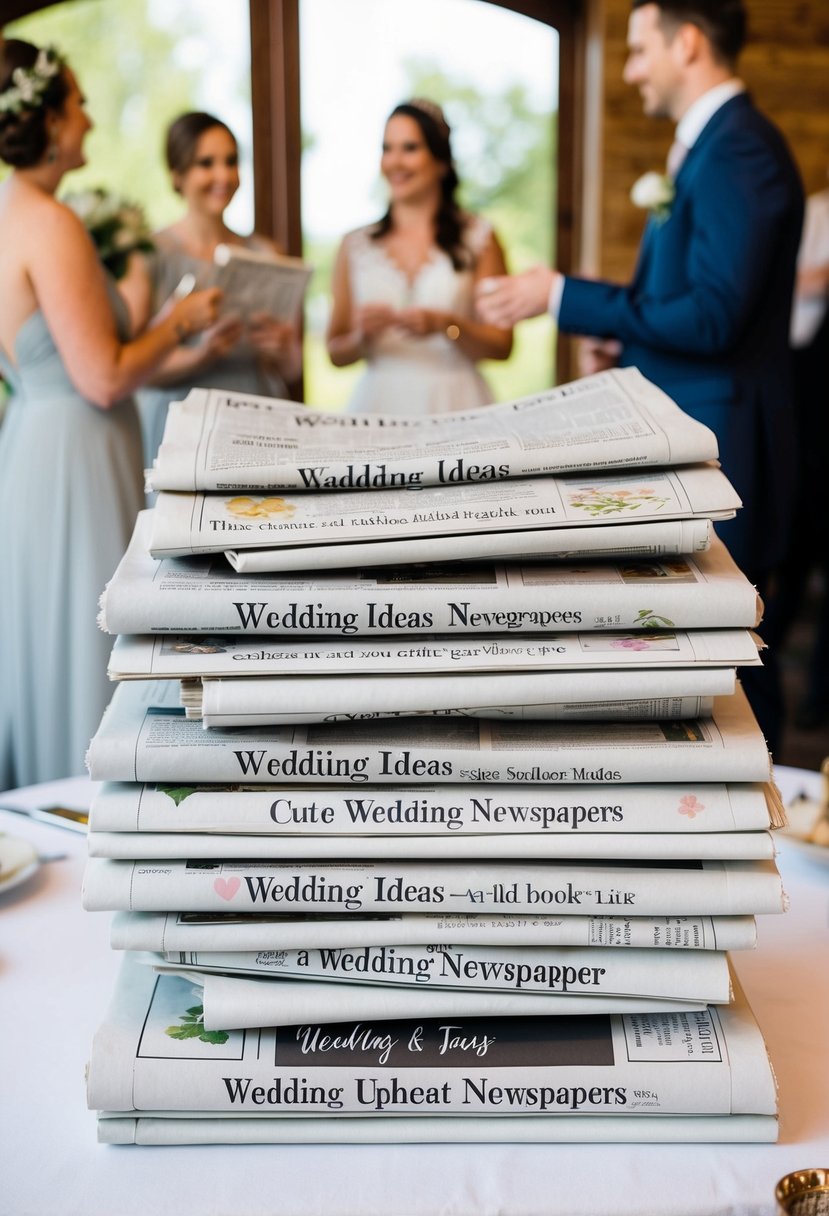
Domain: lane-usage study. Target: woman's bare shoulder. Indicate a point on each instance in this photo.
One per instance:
(42, 225)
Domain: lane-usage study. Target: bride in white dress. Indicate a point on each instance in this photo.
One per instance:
(404, 287)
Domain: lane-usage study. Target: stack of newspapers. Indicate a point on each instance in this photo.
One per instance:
(432, 803)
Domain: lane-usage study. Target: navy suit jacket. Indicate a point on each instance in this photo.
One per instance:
(706, 316)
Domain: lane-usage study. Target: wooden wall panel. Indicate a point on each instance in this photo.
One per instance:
(786, 66)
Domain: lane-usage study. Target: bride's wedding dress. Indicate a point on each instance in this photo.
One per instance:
(408, 374)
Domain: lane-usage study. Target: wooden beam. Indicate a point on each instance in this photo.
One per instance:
(277, 141)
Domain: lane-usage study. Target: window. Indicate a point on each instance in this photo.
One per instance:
(495, 73)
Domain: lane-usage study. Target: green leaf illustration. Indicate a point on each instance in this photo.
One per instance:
(177, 792)
(192, 1027)
(648, 619)
(193, 1031)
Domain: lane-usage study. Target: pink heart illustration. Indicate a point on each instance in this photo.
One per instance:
(226, 888)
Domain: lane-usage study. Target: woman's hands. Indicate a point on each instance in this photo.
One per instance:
(277, 342)
(373, 319)
(270, 337)
(196, 312)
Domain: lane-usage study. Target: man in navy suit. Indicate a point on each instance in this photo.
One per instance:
(706, 315)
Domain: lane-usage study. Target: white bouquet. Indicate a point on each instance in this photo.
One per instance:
(117, 227)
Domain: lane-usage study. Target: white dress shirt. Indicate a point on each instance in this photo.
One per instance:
(809, 311)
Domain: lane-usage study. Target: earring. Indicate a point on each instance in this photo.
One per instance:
(52, 152)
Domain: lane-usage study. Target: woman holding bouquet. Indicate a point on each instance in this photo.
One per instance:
(70, 454)
(203, 159)
(403, 287)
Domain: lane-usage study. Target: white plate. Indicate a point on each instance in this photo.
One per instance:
(18, 861)
(802, 813)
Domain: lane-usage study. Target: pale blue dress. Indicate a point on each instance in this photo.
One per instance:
(70, 487)
(240, 370)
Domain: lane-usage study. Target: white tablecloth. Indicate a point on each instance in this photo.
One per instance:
(56, 976)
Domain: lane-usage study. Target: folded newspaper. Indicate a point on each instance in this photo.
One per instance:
(454, 812)
(236, 1003)
(217, 440)
(201, 595)
(195, 931)
(254, 280)
(152, 1054)
(667, 846)
(142, 739)
(679, 888)
(185, 524)
(186, 657)
(682, 975)
(660, 694)
(667, 538)
(193, 1127)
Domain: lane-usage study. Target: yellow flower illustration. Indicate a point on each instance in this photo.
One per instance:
(250, 508)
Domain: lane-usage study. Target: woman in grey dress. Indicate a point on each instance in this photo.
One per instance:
(70, 448)
(203, 159)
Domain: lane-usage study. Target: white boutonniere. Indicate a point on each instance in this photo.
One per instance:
(655, 192)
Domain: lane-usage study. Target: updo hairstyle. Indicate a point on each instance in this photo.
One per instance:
(183, 136)
(24, 136)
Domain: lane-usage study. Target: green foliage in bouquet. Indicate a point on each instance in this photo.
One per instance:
(117, 227)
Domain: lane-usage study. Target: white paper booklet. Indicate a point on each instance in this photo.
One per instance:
(141, 739)
(255, 280)
(185, 524)
(217, 440)
(686, 888)
(163, 657)
(611, 542)
(682, 975)
(234, 1003)
(194, 931)
(669, 846)
(201, 595)
(455, 812)
(151, 1054)
(683, 692)
(436, 1129)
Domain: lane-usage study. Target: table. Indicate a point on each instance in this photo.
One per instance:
(56, 977)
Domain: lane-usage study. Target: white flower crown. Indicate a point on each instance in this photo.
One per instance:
(30, 84)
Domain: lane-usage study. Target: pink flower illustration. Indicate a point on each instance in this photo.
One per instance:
(629, 644)
(690, 805)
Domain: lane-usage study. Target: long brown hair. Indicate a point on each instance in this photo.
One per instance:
(449, 220)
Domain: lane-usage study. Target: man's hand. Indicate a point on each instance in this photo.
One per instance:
(509, 298)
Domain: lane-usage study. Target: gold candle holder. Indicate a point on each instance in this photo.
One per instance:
(804, 1193)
